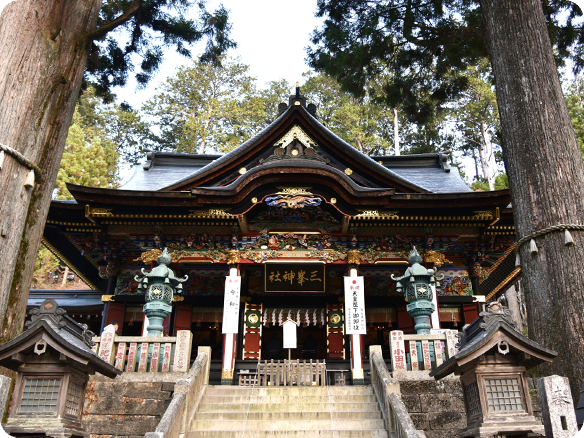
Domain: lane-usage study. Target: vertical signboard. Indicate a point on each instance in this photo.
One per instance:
(231, 304)
(289, 327)
(355, 306)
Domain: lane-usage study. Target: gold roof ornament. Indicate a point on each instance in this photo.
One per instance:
(437, 258)
(233, 257)
(295, 133)
(353, 257)
(294, 191)
(149, 256)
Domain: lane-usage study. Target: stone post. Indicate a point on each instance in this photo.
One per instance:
(557, 408)
(513, 303)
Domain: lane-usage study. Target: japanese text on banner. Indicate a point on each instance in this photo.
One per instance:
(355, 306)
(231, 304)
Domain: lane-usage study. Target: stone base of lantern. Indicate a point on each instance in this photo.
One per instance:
(506, 425)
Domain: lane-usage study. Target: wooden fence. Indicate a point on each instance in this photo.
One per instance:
(146, 354)
(286, 373)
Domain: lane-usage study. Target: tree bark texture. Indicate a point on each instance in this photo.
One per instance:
(546, 177)
(43, 52)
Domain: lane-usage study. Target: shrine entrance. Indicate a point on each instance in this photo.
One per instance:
(311, 344)
(263, 332)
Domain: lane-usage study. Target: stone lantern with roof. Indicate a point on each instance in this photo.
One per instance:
(417, 285)
(161, 285)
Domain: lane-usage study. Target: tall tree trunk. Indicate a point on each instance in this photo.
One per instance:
(474, 157)
(65, 275)
(43, 54)
(483, 164)
(546, 177)
(395, 132)
(491, 165)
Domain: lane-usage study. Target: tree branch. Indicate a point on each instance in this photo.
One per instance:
(126, 15)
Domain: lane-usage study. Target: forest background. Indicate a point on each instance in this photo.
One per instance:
(205, 108)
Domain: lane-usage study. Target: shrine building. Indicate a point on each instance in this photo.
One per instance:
(291, 212)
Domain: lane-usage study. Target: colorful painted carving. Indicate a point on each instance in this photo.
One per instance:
(292, 202)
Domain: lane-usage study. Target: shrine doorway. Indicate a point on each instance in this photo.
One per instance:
(311, 343)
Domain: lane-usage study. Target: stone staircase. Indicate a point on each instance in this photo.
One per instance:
(298, 412)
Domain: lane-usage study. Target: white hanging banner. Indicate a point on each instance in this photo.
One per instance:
(289, 327)
(231, 304)
(355, 306)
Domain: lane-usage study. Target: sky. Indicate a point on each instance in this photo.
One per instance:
(271, 37)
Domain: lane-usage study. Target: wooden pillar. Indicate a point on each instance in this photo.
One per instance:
(356, 357)
(229, 347)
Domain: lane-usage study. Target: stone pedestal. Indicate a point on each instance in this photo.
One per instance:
(557, 408)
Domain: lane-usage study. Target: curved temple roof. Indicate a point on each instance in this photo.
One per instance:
(426, 173)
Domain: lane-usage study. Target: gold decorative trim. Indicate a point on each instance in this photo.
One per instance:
(376, 214)
(485, 215)
(437, 258)
(233, 257)
(333, 200)
(149, 256)
(242, 170)
(294, 191)
(177, 298)
(505, 282)
(97, 212)
(107, 298)
(349, 171)
(295, 133)
(57, 254)
(212, 212)
(353, 257)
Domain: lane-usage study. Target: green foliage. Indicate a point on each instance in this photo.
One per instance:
(501, 181)
(360, 37)
(88, 162)
(117, 124)
(575, 102)
(426, 45)
(359, 121)
(143, 28)
(212, 107)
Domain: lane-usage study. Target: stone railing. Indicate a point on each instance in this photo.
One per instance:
(188, 393)
(395, 414)
(146, 354)
(426, 352)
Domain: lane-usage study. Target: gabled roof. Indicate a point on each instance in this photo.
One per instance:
(485, 333)
(52, 325)
(427, 173)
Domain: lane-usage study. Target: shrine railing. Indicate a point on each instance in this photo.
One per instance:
(421, 352)
(188, 393)
(395, 414)
(286, 373)
(146, 353)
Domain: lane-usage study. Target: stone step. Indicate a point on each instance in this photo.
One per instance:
(289, 416)
(285, 425)
(295, 407)
(287, 399)
(379, 433)
(290, 390)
